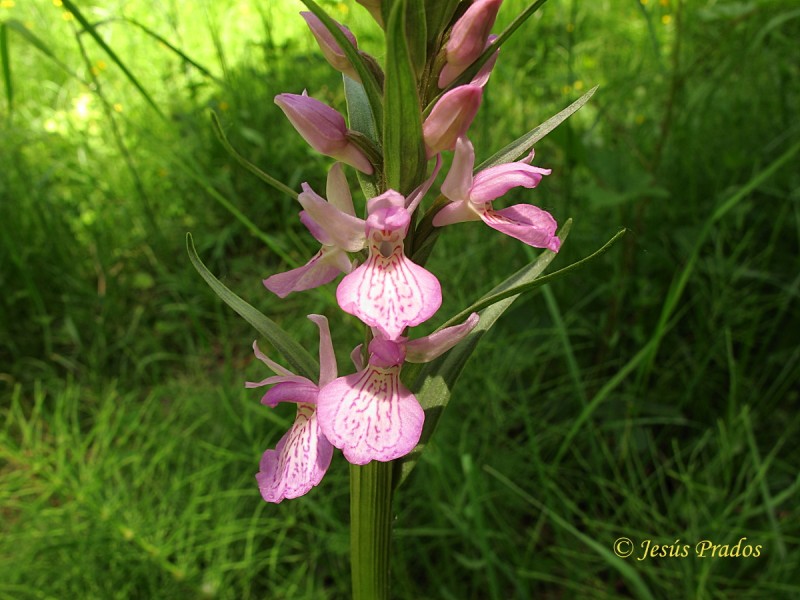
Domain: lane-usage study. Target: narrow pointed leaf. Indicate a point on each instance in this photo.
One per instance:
(432, 383)
(525, 280)
(217, 127)
(295, 354)
(359, 114)
(368, 80)
(90, 29)
(403, 149)
(6, 62)
(521, 146)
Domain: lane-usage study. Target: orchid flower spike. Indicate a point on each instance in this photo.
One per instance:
(450, 118)
(323, 128)
(335, 226)
(303, 454)
(371, 415)
(468, 39)
(389, 291)
(330, 48)
(472, 198)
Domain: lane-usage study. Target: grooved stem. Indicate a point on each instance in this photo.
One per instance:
(370, 529)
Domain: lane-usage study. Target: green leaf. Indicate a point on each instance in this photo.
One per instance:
(438, 16)
(525, 280)
(217, 127)
(90, 29)
(4, 58)
(296, 355)
(362, 120)
(432, 383)
(523, 145)
(368, 80)
(403, 148)
(416, 35)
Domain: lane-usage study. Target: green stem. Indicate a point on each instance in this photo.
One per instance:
(370, 529)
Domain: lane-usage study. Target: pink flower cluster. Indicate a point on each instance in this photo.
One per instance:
(370, 414)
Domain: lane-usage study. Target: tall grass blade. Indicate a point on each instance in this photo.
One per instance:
(161, 39)
(90, 29)
(679, 284)
(6, 64)
(618, 564)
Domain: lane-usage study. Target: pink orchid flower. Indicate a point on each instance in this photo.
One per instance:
(468, 38)
(323, 128)
(303, 454)
(371, 415)
(389, 291)
(472, 198)
(335, 226)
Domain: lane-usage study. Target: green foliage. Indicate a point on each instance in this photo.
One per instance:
(127, 442)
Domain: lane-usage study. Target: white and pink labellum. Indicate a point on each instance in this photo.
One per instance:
(334, 224)
(388, 291)
(471, 198)
(371, 415)
(323, 128)
(303, 454)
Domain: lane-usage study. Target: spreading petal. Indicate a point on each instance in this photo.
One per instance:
(425, 349)
(327, 358)
(276, 368)
(343, 230)
(323, 267)
(299, 460)
(457, 184)
(300, 391)
(494, 182)
(337, 190)
(370, 415)
(527, 223)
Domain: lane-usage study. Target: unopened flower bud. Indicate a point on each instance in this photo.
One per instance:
(451, 118)
(468, 38)
(330, 47)
(323, 128)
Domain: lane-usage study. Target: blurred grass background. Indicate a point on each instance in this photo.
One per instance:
(653, 395)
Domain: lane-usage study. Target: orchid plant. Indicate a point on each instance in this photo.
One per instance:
(402, 117)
